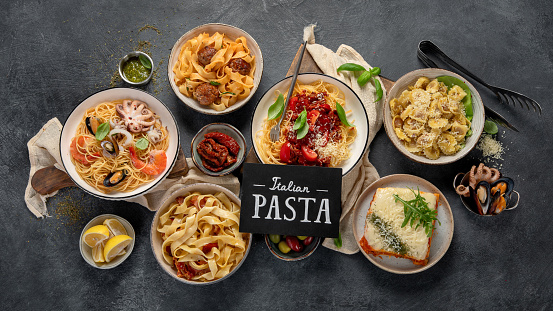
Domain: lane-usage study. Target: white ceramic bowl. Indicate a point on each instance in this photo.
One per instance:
(221, 128)
(353, 103)
(477, 125)
(86, 251)
(233, 33)
(155, 237)
(441, 238)
(72, 122)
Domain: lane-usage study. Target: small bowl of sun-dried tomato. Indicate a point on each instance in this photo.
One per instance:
(218, 149)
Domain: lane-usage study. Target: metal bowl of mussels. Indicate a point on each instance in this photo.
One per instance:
(109, 148)
(485, 192)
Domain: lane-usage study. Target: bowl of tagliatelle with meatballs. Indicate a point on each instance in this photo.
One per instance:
(119, 143)
(215, 68)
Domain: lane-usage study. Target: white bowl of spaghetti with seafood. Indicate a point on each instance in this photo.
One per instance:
(119, 143)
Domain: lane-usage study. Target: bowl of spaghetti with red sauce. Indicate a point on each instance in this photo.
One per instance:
(325, 137)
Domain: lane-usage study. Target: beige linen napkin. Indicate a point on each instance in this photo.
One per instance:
(364, 173)
(44, 151)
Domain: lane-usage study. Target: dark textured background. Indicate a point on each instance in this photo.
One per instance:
(55, 53)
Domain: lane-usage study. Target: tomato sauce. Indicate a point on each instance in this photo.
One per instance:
(323, 122)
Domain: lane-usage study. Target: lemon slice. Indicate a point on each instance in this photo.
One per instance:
(115, 245)
(95, 235)
(98, 252)
(115, 227)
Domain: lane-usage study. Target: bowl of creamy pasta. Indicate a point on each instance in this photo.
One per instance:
(215, 68)
(328, 140)
(119, 143)
(195, 235)
(433, 116)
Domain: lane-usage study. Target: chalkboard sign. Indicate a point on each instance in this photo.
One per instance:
(291, 200)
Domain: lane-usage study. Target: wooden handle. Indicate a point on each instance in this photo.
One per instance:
(50, 179)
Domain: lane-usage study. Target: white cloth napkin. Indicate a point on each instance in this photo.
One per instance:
(44, 151)
(364, 172)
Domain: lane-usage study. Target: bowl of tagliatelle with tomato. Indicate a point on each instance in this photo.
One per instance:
(325, 124)
(119, 143)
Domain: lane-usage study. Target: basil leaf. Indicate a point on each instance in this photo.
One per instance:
(228, 93)
(467, 101)
(378, 88)
(303, 131)
(102, 131)
(342, 115)
(145, 61)
(142, 143)
(375, 71)
(338, 240)
(490, 127)
(350, 67)
(364, 78)
(214, 83)
(300, 121)
(276, 109)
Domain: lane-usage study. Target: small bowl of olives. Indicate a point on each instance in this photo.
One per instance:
(291, 248)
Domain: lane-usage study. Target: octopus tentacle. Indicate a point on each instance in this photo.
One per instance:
(462, 190)
(136, 115)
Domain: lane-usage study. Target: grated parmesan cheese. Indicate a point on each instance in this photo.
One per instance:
(491, 148)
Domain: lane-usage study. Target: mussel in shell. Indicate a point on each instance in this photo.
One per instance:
(92, 124)
(114, 178)
(491, 199)
(110, 148)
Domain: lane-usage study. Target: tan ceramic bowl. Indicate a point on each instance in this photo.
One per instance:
(233, 33)
(155, 237)
(477, 125)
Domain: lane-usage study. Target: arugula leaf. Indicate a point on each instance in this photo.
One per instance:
(417, 212)
(276, 109)
(145, 61)
(102, 131)
(364, 78)
(342, 115)
(300, 121)
(142, 143)
(490, 127)
(214, 83)
(350, 67)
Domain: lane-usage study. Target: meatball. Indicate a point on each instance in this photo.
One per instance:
(239, 65)
(206, 94)
(205, 55)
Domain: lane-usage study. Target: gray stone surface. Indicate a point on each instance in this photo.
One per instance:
(55, 53)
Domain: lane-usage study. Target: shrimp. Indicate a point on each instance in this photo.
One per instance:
(156, 165)
(78, 144)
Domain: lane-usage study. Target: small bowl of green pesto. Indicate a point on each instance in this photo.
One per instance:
(136, 68)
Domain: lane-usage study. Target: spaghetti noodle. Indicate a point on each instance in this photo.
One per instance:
(327, 140)
(94, 165)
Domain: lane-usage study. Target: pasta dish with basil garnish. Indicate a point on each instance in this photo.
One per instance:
(314, 132)
(215, 70)
(201, 237)
(119, 146)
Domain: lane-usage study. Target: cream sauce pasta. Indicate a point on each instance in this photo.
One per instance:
(430, 119)
(201, 237)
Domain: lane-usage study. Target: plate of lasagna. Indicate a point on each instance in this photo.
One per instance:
(390, 241)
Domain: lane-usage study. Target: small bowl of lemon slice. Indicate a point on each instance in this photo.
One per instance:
(106, 241)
